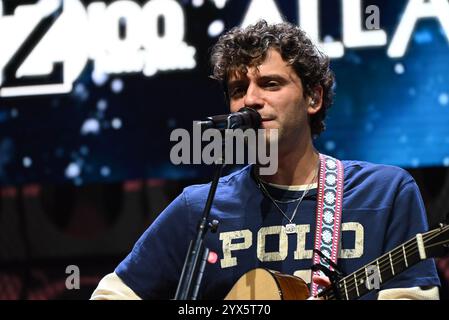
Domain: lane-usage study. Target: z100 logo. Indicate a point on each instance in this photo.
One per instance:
(46, 45)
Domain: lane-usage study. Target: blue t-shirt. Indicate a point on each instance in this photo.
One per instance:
(382, 208)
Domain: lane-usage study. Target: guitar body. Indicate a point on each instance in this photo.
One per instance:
(264, 284)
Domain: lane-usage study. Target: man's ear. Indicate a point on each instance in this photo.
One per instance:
(315, 100)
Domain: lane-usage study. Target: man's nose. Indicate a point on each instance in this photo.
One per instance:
(253, 98)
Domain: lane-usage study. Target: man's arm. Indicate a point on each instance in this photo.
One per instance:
(111, 287)
(415, 293)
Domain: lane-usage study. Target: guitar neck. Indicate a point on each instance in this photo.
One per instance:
(378, 271)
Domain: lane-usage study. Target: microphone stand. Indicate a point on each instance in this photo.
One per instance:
(197, 254)
(193, 269)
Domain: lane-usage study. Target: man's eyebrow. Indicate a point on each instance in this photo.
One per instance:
(266, 77)
(276, 77)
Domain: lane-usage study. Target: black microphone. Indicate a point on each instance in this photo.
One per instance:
(245, 118)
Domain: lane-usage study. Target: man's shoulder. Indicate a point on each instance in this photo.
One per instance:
(237, 178)
(368, 171)
(376, 186)
(356, 166)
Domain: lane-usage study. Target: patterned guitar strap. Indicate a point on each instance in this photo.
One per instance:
(328, 213)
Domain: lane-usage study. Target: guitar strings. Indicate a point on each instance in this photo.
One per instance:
(438, 243)
(385, 260)
(361, 273)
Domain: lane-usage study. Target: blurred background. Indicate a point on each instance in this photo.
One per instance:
(91, 90)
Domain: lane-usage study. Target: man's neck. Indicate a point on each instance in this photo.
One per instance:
(295, 168)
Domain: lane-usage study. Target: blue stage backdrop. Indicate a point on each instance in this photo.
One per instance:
(90, 90)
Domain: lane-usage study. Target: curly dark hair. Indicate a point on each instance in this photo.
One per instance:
(241, 48)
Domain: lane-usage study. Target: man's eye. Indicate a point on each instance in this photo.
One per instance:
(236, 92)
(272, 84)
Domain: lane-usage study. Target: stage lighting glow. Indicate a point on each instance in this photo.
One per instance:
(446, 162)
(443, 99)
(117, 85)
(220, 4)
(105, 171)
(216, 28)
(90, 126)
(399, 68)
(102, 105)
(197, 3)
(116, 123)
(73, 170)
(27, 162)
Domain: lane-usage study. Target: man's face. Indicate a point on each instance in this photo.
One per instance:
(274, 89)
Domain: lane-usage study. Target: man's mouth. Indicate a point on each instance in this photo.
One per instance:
(266, 123)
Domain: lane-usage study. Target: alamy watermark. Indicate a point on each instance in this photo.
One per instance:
(73, 280)
(226, 146)
(372, 22)
(372, 278)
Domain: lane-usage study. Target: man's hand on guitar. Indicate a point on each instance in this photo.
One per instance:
(321, 281)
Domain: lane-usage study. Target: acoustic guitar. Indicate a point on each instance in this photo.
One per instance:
(264, 284)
